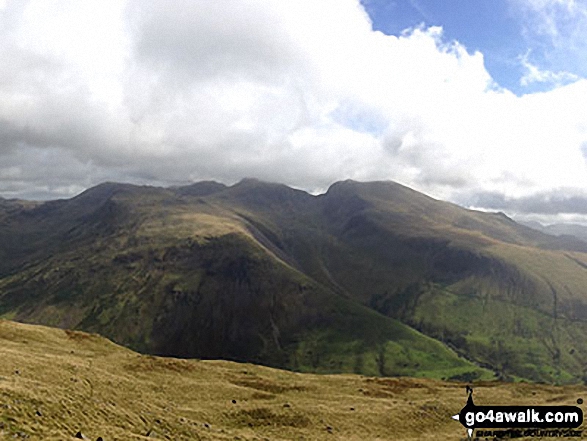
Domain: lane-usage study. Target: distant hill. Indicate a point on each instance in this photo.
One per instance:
(371, 278)
(576, 230)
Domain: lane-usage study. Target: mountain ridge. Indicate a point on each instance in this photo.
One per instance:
(369, 278)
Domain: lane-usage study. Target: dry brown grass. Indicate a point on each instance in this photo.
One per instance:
(54, 383)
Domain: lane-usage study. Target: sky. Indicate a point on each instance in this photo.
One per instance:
(482, 103)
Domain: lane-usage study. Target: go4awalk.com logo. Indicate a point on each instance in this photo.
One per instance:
(520, 421)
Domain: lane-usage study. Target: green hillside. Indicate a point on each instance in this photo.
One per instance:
(369, 278)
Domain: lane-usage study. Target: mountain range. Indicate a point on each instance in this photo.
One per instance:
(576, 230)
(371, 278)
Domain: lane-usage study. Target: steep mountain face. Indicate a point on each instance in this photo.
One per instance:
(371, 278)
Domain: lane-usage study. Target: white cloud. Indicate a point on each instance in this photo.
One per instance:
(554, 18)
(536, 75)
(556, 32)
(301, 92)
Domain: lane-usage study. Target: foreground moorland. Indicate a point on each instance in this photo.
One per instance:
(54, 383)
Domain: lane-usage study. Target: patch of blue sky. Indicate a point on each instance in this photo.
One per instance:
(496, 28)
(359, 119)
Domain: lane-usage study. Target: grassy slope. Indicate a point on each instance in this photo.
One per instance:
(505, 296)
(54, 383)
(532, 325)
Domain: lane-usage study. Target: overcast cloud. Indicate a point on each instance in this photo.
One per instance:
(303, 93)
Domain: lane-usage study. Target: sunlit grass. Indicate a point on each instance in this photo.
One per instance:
(54, 383)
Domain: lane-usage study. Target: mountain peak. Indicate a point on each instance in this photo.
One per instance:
(258, 183)
(104, 190)
(262, 193)
(369, 186)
